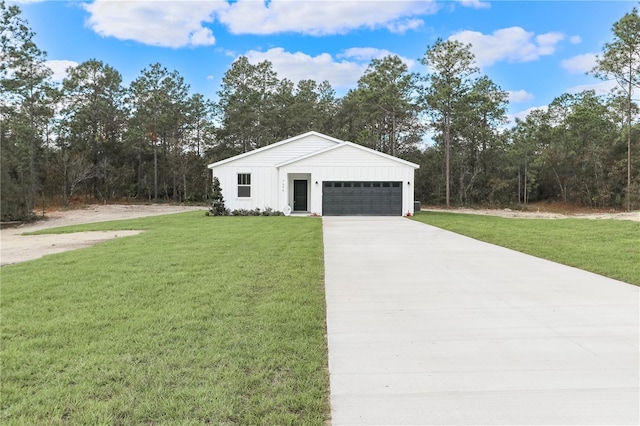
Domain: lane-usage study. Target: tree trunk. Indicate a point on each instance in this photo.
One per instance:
(519, 186)
(526, 188)
(628, 197)
(447, 172)
(393, 134)
(155, 171)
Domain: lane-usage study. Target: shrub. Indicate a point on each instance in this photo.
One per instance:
(217, 205)
(257, 212)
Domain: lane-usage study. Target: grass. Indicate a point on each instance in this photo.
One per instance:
(606, 247)
(197, 320)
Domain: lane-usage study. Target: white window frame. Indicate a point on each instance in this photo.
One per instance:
(244, 181)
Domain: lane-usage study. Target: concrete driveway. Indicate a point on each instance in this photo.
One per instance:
(429, 327)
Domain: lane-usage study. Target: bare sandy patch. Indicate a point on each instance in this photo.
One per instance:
(16, 248)
(29, 247)
(635, 216)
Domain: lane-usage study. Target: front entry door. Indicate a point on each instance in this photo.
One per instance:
(299, 195)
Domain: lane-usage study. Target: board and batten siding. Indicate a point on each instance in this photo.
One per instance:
(348, 163)
(313, 157)
(261, 163)
(264, 181)
(272, 155)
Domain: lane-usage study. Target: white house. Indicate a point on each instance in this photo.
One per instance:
(316, 174)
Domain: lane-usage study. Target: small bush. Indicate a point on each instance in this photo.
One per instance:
(257, 212)
(271, 212)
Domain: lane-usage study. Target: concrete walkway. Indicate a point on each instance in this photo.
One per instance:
(429, 327)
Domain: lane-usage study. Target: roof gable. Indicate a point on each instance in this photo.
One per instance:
(343, 144)
(291, 141)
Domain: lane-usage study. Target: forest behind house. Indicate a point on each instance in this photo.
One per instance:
(92, 138)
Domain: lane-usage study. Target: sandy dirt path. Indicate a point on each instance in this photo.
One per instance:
(16, 248)
(635, 216)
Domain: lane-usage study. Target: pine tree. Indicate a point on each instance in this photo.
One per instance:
(620, 60)
(26, 108)
(217, 206)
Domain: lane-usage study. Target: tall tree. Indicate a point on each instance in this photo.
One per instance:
(481, 113)
(451, 66)
(27, 99)
(200, 117)
(200, 137)
(245, 97)
(327, 108)
(529, 138)
(93, 121)
(620, 60)
(593, 133)
(389, 92)
(159, 100)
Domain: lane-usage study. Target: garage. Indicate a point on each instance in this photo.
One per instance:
(352, 198)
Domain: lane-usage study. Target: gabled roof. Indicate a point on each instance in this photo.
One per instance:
(274, 145)
(351, 144)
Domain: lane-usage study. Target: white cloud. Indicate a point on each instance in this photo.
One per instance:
(512, 44)
(157, 23)
(227, 52)
(575, 39)
(476, 4)
(601, 88)
(343, 71)
(547, 42)
(59, 68)
(401, 27)
(300, 66)
(171, 23)
(580, 64)
(322, 17)
(519, 96)
(522, 115)
(369, 53)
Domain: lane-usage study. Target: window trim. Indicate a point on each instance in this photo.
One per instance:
(244, 181)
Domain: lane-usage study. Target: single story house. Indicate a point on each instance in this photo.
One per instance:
(316, 174)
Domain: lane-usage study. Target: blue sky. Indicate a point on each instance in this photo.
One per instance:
(535, 50)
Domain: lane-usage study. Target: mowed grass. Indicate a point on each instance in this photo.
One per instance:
(606, 247)
(197, 320)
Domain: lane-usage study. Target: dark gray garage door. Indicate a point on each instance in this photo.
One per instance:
(362, 198)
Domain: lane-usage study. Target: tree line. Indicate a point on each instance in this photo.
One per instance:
(92, 137)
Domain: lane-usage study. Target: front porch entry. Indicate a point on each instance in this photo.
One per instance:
(300, 195)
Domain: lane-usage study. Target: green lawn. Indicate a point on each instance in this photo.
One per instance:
(606, 247)
(197, 320)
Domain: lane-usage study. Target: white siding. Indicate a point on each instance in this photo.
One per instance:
(351, 164)
(348, 155)
(273, 187)
(286, 152)
(263, 185)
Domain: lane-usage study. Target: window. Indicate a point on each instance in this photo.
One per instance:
(244, 185)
